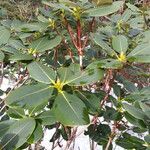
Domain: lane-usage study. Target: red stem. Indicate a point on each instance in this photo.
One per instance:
(79, 34)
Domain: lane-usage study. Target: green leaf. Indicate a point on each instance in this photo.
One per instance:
(91, 100)
(145, 107)
(9, 49)
(56, 5)
(126, 15)
(97, 39)
(41, 73)
(36, 26)
(108, 63)
(20, 56)
(15, 25)
(99, 133)
(1, 92)
(85, 77)
(65, 72)
(4, 126)
(140, 59)
(45, 43)
(3, 12)
(17, 44)
(16, 112)
(137, 113)
(146, 38)
(17, 133)
(143, 49)
(142, 95)
(4, 35)
(37, 109)
(69, 3)
(70, 110)
(133, 8)
(29, 96)
(112, 114)
(41, 18)
(127, 85)
(147, 138)
(36, 135)
(120, 44)
(104, 10)
(47, 117)
(1, 56)
(103, 2)
(130, 142)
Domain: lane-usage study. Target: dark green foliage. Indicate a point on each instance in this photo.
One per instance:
(75, 63)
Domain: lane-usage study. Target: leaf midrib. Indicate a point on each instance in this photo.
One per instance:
(70, 106)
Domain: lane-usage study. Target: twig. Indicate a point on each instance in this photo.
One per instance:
(53, 145)
(108, 85)
(111, 137)
(92, 24)
(92, 145)
(79, 43)
(2, 73)
(2, 108)
(66, 45)
(70, 30)
(72, 137)
(2, 101)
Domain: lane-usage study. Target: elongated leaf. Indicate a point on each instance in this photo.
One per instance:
(44, 44)
(147, 138)
(145, 107)
(126, 141)
(140, 59)
(120, 44)
(36, 135)
(29, 96)
(4, 126)
(37, 26)
(103, 2)
(4, 35)
(47, 117)
(19, 56)
(70, 110)
(143, 49)
(1, 56)
(107, 63)
(41, 73)
(77, 78)
(137, 113)
(57, 6)
(91, 101)
(16, 113)
(126, 15)
(133, 8)
(9, 49)
(17, 44)
(37, 109)
(104, 10)
(17, 133)
(146, 35)
(65, 72)
(128, 85)
(97, 39)
(136, 122)
(142, 95)
(88, 76)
